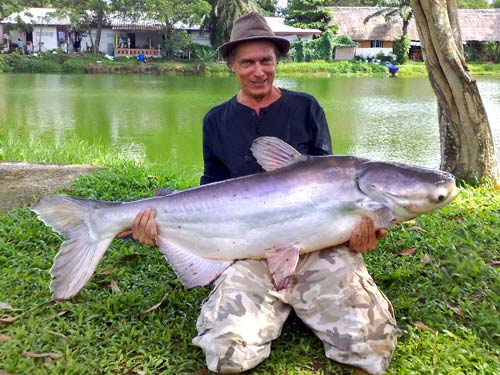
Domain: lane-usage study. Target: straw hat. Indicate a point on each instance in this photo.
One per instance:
(252, 26)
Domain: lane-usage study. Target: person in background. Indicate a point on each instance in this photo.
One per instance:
(20, 46)
(332, 292)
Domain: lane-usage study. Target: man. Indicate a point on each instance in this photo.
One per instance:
(332, 291)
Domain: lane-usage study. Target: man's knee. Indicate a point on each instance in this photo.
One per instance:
(230, 354)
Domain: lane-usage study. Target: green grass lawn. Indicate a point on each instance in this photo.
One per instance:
(441, 273)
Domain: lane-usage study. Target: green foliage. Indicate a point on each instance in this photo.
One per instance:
(472, 4)
(482, 52)
(205, 54)
(332, 68)
(31, 64)
(308, 14)
(74, 66)
(343, 41)
(222, 16)
(178, 40)
(4, 66)
(318, 49)
(401, 48)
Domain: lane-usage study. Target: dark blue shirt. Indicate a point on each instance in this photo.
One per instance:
(230, 128)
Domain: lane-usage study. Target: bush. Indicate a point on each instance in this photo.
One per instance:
(74, 65)
(344, 41)
(204, 53)
(3, 64)
(401, 48)
(318, 49)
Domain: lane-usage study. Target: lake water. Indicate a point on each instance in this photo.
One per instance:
(159, 118)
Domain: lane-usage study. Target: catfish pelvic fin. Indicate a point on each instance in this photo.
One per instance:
(192, 270)
(282, 263)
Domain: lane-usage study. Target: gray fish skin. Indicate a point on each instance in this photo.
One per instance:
(300, 204)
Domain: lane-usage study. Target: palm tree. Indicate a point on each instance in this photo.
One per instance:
(222, 16)
(393, 8)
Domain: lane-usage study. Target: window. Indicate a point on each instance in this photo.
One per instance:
(376, 44)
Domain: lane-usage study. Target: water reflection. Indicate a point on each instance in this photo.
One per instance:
(159, 118)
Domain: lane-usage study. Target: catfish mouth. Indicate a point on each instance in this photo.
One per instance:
(431, 202)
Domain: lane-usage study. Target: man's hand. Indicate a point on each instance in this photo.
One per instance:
(144, 228)
(364, 237)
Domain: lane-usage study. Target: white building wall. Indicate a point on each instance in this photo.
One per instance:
(200, 38)
(106, 45)
(44, 37)
(372, 52)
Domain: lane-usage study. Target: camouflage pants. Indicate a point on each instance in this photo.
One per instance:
(332, 293)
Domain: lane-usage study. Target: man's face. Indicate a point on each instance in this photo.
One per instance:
(254, 64)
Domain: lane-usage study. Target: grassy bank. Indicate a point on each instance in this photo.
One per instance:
(441, 273)
(89, 63)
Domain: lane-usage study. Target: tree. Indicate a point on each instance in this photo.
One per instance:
(222, 16)
(394, 8)
(466, 142)
(169, 13)
(7, 7)
(267, 7)
(308, 14)
(85, 14)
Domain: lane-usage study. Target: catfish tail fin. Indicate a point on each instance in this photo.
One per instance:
(84, 247)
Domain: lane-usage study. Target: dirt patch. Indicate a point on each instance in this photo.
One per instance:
(21, 183)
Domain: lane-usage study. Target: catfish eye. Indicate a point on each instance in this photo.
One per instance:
(441, 198)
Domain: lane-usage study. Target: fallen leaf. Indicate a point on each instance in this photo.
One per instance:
(422, 326)
(62, 313)
(154, 307)
(4, 338)
(114, 286)
(109, 271)
(476, 297)
(417, 228)
(128, 258)
(494, 264)
(455, 309)
(201, 371)
(408, 222)
(5, 306)
(425, 259)
(408, 252)
(56, 333)
(8, 319)
(52, 356)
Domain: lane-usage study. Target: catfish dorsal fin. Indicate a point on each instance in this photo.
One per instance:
(273, 153)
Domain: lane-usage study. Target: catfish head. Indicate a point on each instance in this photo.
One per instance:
(408, 191)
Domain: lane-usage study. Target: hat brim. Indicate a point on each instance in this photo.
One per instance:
(282, 44)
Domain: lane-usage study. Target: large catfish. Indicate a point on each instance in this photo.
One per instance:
(299, 205)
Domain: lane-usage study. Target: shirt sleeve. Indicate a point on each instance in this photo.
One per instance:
(321, 143)
(213, 169)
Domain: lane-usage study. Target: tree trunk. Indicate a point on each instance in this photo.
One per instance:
(89, 28)
(466, 142)
(100, 21)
